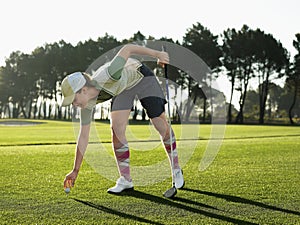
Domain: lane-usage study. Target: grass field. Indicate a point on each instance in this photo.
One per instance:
(255, 179)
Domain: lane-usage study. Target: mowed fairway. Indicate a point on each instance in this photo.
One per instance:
(255, 179)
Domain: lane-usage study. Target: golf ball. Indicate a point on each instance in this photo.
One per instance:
(67, 190)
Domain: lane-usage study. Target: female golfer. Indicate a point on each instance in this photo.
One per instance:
(121, 80)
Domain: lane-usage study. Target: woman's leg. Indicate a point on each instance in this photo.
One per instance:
(119, 120)
(161, 125)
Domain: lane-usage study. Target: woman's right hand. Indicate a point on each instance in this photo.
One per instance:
(70, 177)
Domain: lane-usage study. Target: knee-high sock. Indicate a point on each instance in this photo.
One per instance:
(122, 157)
(168, 150)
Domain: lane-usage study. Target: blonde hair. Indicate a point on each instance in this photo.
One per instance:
(88, 80)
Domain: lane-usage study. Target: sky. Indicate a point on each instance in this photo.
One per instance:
(26, 25)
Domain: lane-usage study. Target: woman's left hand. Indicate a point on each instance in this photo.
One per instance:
(163, 58)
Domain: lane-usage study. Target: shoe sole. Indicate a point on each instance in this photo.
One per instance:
(125, 190)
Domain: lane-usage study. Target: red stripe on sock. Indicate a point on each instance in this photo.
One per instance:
(168, 146)
(122, 155)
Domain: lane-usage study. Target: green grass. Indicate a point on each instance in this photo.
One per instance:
(255, 179)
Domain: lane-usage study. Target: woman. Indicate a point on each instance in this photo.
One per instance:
(122, 79)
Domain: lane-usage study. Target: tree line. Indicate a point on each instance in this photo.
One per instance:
(30, 83)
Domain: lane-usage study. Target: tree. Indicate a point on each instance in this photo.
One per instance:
(252, 105)
(293, 79)
(19, 82)
(238, 60)
(244, 57)
(202, 42)
(273, 100)
(3, 92)
(230, 58)
(271, 62)
(252, 53)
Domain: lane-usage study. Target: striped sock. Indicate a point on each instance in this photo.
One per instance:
(168, 150)
(122, 157)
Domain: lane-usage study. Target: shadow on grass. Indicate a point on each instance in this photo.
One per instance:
(243, 200)
(116, 212)
(173, 203)
(176, 204)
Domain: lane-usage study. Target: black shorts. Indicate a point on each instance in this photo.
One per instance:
(148, 91)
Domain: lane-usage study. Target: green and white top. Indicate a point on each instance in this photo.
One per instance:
(111, 79)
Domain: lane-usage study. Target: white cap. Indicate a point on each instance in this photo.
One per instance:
(70, 86)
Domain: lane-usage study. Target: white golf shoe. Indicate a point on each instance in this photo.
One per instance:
(121, 185)
(179, 181)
